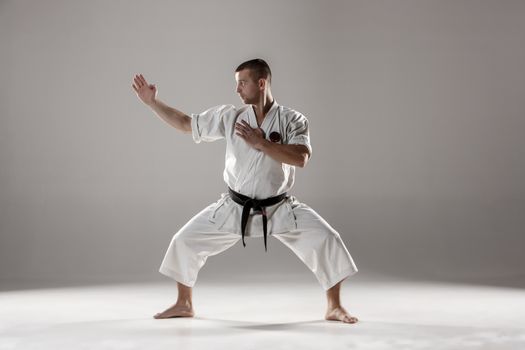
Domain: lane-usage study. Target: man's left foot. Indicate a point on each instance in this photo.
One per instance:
(340, 314)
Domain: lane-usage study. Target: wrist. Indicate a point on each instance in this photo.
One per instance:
(264, 145)
(152, 103)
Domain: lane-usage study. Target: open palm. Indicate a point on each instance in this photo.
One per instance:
(146, 92)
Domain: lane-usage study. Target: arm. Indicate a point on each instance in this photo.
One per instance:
(172, 116)
(296, 155)
(147, 94)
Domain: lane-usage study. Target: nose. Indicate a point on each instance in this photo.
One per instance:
(238, 89)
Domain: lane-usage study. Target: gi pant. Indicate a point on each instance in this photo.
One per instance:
(217, 228)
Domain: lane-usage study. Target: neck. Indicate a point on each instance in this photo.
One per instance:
(263, 106)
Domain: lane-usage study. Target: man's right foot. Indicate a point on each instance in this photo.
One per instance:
(177, 310)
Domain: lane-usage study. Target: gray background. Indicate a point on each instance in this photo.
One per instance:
(417, 121)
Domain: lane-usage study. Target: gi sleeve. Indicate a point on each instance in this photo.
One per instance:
(208, 126)
(297, 132)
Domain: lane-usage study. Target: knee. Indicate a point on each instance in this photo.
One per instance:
(181, 237)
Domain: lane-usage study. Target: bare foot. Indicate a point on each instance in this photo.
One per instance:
(177, 310)
(340, 314)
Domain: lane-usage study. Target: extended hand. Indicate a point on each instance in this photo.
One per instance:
(145, 92)
(253, 136)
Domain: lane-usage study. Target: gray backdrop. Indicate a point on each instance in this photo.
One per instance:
(417, 121)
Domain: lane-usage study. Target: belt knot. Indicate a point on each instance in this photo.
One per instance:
(258, 205)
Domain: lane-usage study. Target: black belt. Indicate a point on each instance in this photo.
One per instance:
(257, 205)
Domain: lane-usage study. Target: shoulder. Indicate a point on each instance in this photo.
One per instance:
(220, 109)
(291, 113)
(229, 109)
(221, 112)
(292, 116)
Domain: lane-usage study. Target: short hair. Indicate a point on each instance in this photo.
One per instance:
(259, 69)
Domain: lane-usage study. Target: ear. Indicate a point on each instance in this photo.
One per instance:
(262, 84)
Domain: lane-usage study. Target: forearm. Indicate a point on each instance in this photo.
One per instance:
(296, 155)
(172, 116)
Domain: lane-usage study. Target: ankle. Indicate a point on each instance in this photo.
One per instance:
(184, 302)
(333, 304)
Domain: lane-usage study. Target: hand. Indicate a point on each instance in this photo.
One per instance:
(253, 136)
(145, 92)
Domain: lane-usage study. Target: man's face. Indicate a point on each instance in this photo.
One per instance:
(249, 90)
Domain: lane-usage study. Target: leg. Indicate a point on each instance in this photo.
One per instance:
(321, 248)
(188, 251)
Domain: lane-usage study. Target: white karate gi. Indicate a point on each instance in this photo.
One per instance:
(252, 173)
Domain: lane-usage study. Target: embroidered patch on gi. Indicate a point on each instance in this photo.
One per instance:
(275, 136)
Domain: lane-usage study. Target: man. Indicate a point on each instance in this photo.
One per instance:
(264, 143)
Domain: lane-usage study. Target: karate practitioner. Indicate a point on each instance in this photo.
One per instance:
(265, 142)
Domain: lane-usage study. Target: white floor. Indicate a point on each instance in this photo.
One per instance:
(393, 314)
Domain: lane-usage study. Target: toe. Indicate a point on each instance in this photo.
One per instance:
(349, 319)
